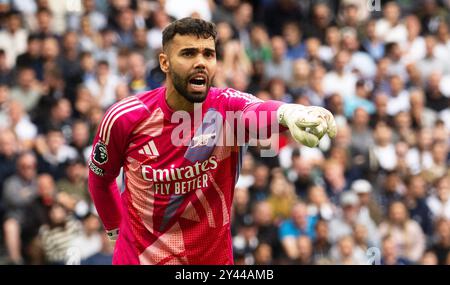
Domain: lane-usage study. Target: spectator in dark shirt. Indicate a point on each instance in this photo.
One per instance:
(416, 203)
(32, 57)
(19, 191)
(6, 74)
(441, 243)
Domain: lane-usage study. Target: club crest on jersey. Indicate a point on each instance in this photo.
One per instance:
(100, 153)
(202, 140)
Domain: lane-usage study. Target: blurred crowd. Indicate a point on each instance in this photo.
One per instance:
(379, 193)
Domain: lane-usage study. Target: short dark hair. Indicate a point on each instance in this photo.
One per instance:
(103, 62)
(13, 13)
(53, 128)
(45, 11)
(33, 37)
(189, 26)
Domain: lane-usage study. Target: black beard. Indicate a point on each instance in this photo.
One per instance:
(180, 83)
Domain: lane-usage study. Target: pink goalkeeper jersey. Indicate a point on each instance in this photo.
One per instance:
(175, 204)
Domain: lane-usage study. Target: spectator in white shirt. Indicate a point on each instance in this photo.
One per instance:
(280, 66)
(414, 47)
(419, 157)
(406, 233)
(89, 242)
(96, 19)
(399, 97)
(340, 80)
(384, 150)
(390, 28)
(439, 202)
(360, 61)
(311, 154)
(346, 253)
(343, 224)
(107, 50)
(431, 63)
(186, 8)
(103, 86)
(154, 35)
(439, 166)
(13, 39)
(421, 115)
(396, 65)
(318, 203)
(442, 48)
(20, 122)
(27, 89)
(332, 44)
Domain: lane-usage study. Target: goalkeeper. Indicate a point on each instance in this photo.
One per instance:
(174, 206)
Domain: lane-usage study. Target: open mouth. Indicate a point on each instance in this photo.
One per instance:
(198, 82)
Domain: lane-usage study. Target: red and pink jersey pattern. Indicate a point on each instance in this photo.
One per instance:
(174, 206)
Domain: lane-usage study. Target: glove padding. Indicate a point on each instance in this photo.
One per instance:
(307, 124)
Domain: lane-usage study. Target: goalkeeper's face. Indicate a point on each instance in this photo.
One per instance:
(190, 66)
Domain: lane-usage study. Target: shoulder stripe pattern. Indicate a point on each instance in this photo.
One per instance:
(115, 113)
(108, 131)
(111, 112)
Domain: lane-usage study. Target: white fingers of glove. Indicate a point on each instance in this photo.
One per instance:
(327, 123)
(307, 124)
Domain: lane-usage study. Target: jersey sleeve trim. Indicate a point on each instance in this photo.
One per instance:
(123, 107)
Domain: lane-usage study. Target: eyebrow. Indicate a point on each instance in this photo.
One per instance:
(197, 49)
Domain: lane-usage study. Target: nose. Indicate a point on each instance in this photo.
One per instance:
(200, 62)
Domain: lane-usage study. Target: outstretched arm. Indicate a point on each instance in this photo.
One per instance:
(307, 124)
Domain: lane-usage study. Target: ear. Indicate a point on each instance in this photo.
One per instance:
(164, 62)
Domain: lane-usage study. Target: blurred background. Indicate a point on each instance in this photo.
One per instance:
(384, 182)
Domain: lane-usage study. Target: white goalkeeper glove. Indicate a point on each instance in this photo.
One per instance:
(307, 124)
(113, 234)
